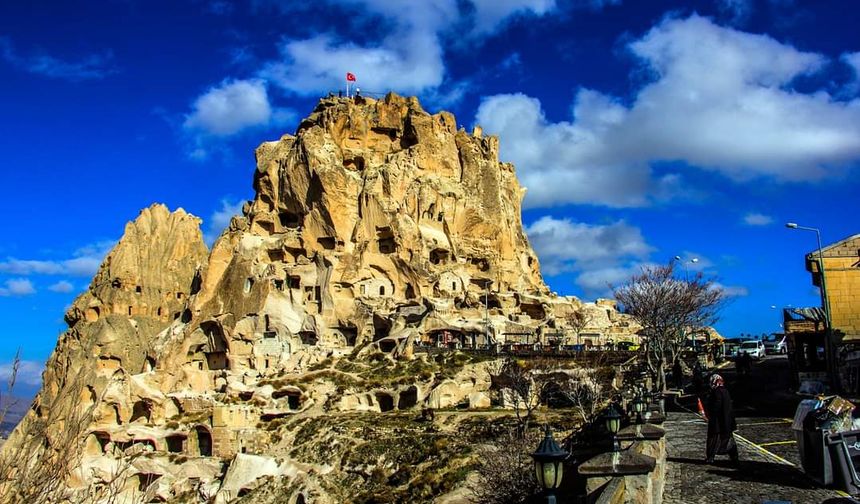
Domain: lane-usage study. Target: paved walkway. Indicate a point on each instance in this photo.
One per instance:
(760, 478)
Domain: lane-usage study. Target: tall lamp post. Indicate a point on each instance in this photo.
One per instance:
(824, 299)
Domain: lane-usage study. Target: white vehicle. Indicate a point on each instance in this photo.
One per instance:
(753, 348)
(776, 344)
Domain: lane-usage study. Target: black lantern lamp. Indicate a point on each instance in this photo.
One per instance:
(638, 407)
(548, 465)
(613, 424)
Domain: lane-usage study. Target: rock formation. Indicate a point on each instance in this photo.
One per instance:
(377, 230)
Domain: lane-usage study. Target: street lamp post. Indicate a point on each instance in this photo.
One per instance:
(824, 299)
(549, 459)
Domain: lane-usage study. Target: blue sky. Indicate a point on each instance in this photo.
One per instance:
(643, 130)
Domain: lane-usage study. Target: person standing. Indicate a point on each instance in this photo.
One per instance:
(678, 374)
(721, 422)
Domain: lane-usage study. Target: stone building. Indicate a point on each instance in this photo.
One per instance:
(841, 293)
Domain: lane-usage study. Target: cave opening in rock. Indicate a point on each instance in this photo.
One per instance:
(381, 327)
(204, 441)
(141, 411)
(308, 337)
(175, 443)
(290, 220)
(385, 401)
(327, 242)
(438, 256)
(350, 334)
(408, 398)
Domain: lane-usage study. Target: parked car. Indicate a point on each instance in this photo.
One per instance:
(753, 348)
(776, 344)
(731, 348)
(627, 345)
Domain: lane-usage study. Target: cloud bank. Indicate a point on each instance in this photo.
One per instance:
(720, 99)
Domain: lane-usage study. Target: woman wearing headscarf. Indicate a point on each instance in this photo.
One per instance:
(721, 422)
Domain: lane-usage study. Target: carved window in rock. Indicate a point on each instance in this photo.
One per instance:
(381, 290)
(294, 282)
(408, 398)
(327, 242)
(278, 284)
(350, 334)
(386, 245)
(312, 293)
(385, 402)
(175, 443)
(141, 412)
(249, 283)
(308, 337)
(138, 289)
(438, 256)
(204, 441)
(290, 220)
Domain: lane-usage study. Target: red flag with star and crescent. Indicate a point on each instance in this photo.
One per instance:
(350, 77)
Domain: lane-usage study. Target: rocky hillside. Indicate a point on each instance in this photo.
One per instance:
(284, 363)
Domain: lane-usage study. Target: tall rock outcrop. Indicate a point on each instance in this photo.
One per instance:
(376, 229)
(140, 288)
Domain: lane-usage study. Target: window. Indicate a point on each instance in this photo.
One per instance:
(381, 290)
(249, 282)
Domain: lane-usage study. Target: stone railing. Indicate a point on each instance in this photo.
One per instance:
(634, 474)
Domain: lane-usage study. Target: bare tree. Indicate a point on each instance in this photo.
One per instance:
(506, 473)
(578, 320)
(521, 386)
(579, 387)
(7, 402)
(38, 463)
(668, 307)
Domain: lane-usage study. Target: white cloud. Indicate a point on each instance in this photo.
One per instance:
(230, 107)
(720, 100)
(599, 255)
(732, 290)
(489, 14)
(220, 219)
(407, 59)
(757, 219)
(84, 263)
(17, 287)
(29, 373)
(62, 286)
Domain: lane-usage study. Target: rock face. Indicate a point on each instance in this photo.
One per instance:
(375, 230)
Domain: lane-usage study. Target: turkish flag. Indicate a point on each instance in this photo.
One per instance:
(350, 77)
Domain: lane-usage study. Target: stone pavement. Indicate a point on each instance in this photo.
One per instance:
(759, 479)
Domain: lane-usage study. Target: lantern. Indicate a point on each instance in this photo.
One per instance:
(638, 407)
(548, 465)
(613, 424)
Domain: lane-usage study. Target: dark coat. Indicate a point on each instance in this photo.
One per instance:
(721, 416)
